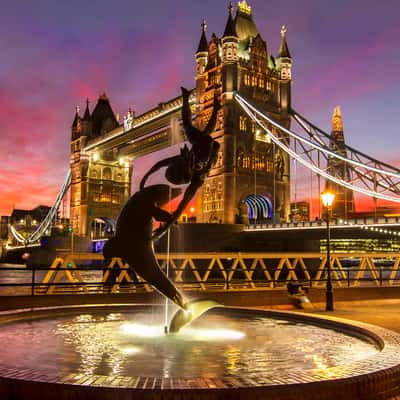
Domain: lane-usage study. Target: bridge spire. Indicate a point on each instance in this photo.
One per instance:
(284, 49)
(203, 44)
(76, 128)
(285, 57)
(77, 119)
(230, 25)
(86, 115)
(103, 118)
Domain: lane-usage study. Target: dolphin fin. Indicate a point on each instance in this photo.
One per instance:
(192, 311)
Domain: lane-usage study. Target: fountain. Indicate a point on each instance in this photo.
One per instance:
(123, 352)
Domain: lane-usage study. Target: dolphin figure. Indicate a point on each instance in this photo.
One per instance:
(133, 237)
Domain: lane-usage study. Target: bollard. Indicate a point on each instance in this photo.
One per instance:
(348, 277)
(33, 281)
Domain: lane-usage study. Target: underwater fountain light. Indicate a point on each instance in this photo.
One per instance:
(214, 334)
(141, 330)
(130, 350)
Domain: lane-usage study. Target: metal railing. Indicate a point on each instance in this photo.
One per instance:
(87, 272)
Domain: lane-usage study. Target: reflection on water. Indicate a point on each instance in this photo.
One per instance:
(214, 346)
(16, 279)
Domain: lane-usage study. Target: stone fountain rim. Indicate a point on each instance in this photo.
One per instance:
(376, 373)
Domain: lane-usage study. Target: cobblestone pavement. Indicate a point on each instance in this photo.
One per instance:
(384, 313)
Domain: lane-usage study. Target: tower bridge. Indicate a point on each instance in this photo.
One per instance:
(259, 150)
(238, 61)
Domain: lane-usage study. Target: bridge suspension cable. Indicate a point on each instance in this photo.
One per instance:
(17, 236)
(365, 175)
(386, 172)
(44, 225)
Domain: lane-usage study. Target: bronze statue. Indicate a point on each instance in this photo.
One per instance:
(133, 237)
(191, 165)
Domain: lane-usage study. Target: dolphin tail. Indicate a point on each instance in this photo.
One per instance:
(192, 311)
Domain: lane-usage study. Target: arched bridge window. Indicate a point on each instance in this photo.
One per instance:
(103, 227)
(259, 207)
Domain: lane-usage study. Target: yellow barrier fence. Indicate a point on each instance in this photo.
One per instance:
(207, 271)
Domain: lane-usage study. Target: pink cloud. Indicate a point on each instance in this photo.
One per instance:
(359, 70)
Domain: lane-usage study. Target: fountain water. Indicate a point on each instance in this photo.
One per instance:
(167, 266)
(93, 352)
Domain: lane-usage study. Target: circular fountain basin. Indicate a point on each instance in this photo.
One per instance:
(122, 352)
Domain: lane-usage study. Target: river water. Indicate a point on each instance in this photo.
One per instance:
(16, 279)
(12, 275)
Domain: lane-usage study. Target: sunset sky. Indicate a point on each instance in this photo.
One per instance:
(55, 54)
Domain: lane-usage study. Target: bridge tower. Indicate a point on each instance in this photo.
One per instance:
(251, 179)
(100, 181)
(344, 198)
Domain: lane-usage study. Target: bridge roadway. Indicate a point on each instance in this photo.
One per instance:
(381, 225)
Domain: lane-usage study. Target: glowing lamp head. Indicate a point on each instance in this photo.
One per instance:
(327, 199)
(192, 209)
(95, 156)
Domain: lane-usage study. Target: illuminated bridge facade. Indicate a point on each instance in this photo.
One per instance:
(251, 177)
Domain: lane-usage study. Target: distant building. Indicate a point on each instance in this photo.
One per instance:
(343, 206)
(358, 244)
(300, 211)
(5, 220)
(379, 212)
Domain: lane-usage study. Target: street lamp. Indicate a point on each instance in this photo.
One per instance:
(327, 201)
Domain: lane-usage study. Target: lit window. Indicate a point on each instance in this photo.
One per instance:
(107, 173)
(242, 123)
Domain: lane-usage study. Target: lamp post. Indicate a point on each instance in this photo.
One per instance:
(327, 201)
